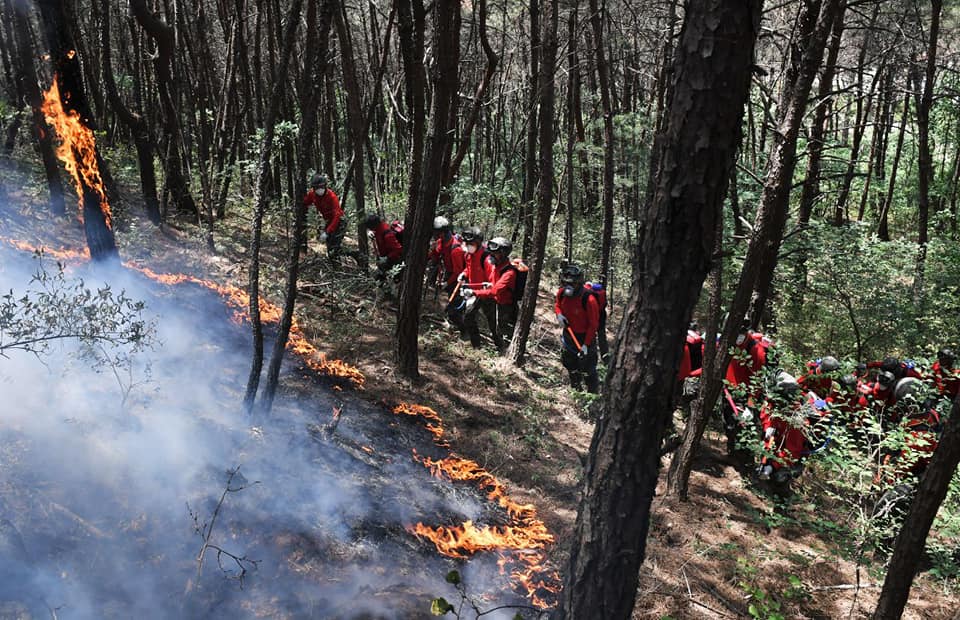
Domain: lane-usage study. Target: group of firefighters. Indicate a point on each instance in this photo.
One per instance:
(480, 277)
(798, 415)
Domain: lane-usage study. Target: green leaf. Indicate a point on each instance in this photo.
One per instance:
(439, 606)
(453, 577)
(754, 612)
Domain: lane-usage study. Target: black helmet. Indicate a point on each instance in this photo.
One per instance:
(946, 356)
(786, 383)
(472, 235)
(890, 364)
(886, 378)
(318, 181)
(500, 245)
(572, 275)
(848, 382)
(371, 221)
(829, 364)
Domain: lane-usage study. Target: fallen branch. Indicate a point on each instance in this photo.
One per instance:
(846, 586)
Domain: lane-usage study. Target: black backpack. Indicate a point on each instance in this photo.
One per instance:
(522, 271)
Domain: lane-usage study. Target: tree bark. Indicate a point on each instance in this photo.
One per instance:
(410, 28)
(908, 549)
(260, 202)
(712, 75)
(446, 42)
(883, 228)
(530, 160)
(547, 89)
(68, 77)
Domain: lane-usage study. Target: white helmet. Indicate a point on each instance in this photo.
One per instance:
(440, 222)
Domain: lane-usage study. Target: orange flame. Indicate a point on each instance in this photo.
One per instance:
(432, 419)
(61, 254)
(77, 148)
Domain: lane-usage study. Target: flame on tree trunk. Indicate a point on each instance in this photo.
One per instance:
(78, 152)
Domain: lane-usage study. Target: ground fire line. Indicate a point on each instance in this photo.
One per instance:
(519, 544)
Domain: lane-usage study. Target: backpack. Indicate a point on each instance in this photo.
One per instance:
(523, 271)
(397, 227)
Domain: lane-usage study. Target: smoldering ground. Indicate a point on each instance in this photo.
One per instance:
(101, 496)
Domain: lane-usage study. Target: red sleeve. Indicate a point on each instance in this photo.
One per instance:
(556, 304)
(502, 290)
(337, 212)
(391, 247)
(310, 198)
(593, 320)
(458, 259)
(489, 270)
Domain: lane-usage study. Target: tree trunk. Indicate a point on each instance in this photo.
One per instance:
(530, 161)
(167, 87)
(68, 78)
(573, 80)
(410, 28)
(142, 136)
(924, 95)
(547, 90)
(702, 131)
(446, 43)
(260, 202)
(315, 65)
(606, 105)
(818, 128)
(883, 229)
(27, 74)
(908, 550)
(355, 122)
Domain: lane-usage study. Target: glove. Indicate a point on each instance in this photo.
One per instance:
(584, 351)
(562, 320)
(323, 237)
(487, 285)
(462, 277)
(769, 433)
(467, 293)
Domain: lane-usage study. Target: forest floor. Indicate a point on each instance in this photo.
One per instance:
(730, 551)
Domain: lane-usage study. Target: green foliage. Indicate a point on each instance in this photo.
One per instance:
(55, 308)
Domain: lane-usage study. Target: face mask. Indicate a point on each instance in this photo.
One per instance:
(568, 291)
(470, 249)
(740, 339)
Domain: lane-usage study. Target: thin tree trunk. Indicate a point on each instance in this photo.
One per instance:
(883, 229)
(530, 161)
(315, 65)
(140, 130)
(31, 92)
(410, 27)
(606, 105)
(260, 202)
(547, 89)
(573, 79)
(712, 62)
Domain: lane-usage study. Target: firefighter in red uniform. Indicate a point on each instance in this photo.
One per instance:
(898, 369)
(598, 289)
(477, 274)
(945, 376)
(334, 228)
(749, 357)
(783, 431)
(389, 250)
(819, 376)
(691, 362)
(446, 256)
(499, 296)
(578, 314)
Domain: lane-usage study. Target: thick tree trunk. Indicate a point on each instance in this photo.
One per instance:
(167, 87)
(712, 76)
(142, 136)
(908, 550)
(446, 43)
(547, 89)
(410, 26)
(68, 78)
(260, 202)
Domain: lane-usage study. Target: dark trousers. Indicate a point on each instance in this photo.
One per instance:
(580, 367)
(335, 243)
(489, 309)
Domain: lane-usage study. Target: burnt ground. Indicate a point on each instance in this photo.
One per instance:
(727, 549)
